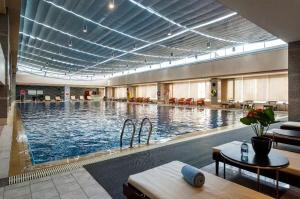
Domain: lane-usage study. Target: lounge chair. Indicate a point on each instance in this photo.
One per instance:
(291, 126)
(146, 100)
(47, 98)
(73, 97)
(172, 100)
(248, 104)
(57, 98)
(200, 102)
(228, 104)
(290, 174)
(189, 101)
(271, 104)
(81, 98)
(291, 137)
(132, 99)
(166, 181)
(181, 101)
(89, 97)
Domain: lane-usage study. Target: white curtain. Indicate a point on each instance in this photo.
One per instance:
(262, 88)
(230, 89)
(147, 91)
(194, 89)
(120, 92)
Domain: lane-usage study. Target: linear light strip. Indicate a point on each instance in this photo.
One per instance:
(73, 49)
(94, 43)
(160, 40)
(54, 53)
(55, 60)
(111, 29)
(189, 29)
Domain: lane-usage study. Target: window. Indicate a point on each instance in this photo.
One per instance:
(195, 89)
(147, 91)
(120, 92)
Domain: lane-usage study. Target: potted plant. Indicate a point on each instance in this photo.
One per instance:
(260, 121)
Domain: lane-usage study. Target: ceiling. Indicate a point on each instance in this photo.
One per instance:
(266, 14)
(133, 34)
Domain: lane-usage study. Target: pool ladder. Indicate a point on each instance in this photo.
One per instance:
(130, 121)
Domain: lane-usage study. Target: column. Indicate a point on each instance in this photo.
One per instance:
(214, 91)
(67, 93)
(3, 104)
(294, 80)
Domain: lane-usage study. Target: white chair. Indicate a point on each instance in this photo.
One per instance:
(89, 97)
(47, 98)
(57, 98)
(73, 97)
(81, 98)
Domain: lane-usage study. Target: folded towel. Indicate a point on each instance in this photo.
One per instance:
(193, 176)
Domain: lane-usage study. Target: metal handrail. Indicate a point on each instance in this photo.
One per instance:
(133, 132)
(150, 130)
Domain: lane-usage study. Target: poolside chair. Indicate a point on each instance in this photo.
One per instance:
(81, 97)
(146, 100)
(89, 97)
(181, 101)
(228, 104)
(189, 101)
(166, 181)
(47, 98)
(132, 99)
(290, 125)
(291, 137)
(57, 98)
(270, 104)
(200, 102)
(73, 97)
(172, 100)
(248, 104)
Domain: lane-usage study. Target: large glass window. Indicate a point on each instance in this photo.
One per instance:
(262, 88)
(193, 89)
(120, 92)
(147, 91)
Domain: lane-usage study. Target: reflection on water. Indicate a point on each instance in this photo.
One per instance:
(59, 130)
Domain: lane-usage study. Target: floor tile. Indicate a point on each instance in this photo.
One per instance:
(78, 194)
(36, 187)
(45, 194)
(62, 179)
(94, 190)
(17, 192)
(68, 187)
(14, 186)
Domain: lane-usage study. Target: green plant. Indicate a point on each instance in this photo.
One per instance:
(259, 120)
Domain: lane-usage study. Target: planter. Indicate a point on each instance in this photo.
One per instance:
(261, 145)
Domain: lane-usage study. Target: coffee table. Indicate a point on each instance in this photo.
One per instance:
(273, 161)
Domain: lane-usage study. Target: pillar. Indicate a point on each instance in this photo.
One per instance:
(294, 80)
(214, 91)
(3, 104)
(67, 93)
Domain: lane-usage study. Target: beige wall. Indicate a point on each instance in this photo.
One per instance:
(28, 79)
(275, 60)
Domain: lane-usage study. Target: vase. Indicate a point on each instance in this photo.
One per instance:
(261, 145)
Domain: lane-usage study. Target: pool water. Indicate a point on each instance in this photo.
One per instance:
(56, 131)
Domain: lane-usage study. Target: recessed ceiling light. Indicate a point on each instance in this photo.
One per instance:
(111, 4)
(169, 33)
(208, 44)
(84, 28)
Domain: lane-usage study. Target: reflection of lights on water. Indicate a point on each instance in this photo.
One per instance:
(165, 140)
(22, 138)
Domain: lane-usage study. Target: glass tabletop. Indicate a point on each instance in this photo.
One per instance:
(272, 161)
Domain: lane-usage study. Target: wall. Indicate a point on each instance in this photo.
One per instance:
(273, 60)
(2, 66)
(28, 79)
(47, 90)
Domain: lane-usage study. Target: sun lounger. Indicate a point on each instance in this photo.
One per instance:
(73, 97)
(81, 98)
(89, 97)
(172, 100)
(291, 126)
(200, 102)
(166, 181)
(181, 101)
(47, 98)
(284, 136)
(57, 98)
(189, 101)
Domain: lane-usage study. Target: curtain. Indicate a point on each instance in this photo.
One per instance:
(147, 91)
(121, 92)
(194, 89)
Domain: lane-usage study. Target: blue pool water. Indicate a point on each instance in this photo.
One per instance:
(56, 131)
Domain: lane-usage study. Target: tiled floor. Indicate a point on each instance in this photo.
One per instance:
(77, 184)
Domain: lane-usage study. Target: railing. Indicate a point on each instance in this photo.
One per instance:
(141, 128)
(122, 133)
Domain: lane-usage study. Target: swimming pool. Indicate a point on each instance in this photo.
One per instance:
(56, 131)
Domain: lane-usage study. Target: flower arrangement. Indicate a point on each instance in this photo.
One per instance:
(259, 120)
